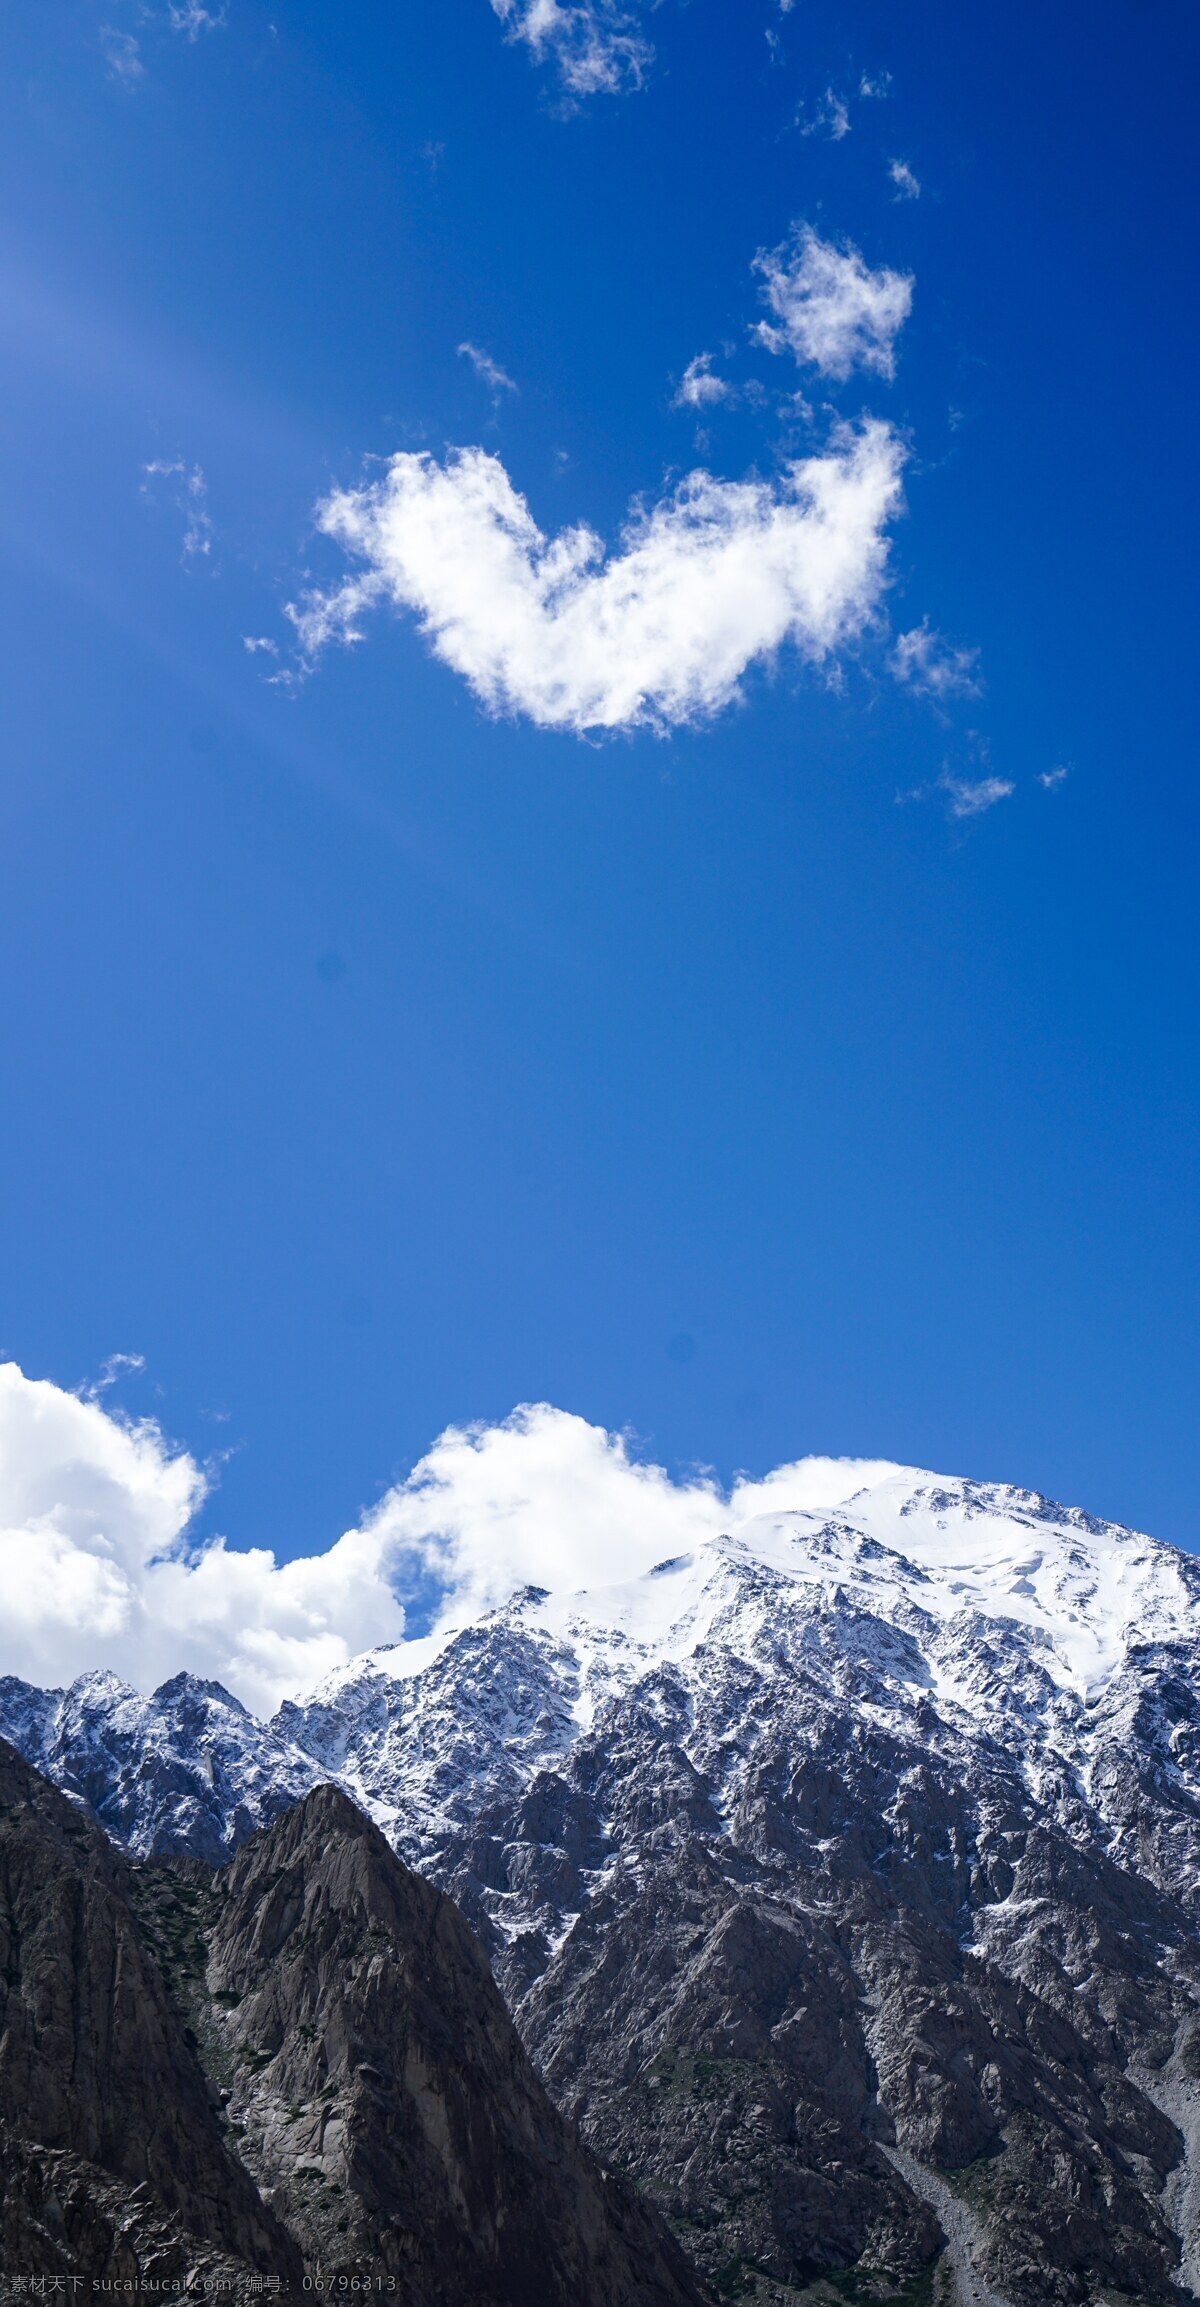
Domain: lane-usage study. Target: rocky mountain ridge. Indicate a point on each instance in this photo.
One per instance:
(851, 1858)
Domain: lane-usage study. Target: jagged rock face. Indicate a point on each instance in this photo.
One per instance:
(384, 2100)
(113, 2155)
(315, 2019)
(859, 1846)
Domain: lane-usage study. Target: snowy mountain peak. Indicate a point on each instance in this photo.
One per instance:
(1081, 1593)
(884, 1789)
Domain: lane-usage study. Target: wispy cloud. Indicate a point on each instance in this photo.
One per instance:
(190, 496)
(908, 185)
(934, 667)
(972, 796)
(123, 56)
(487, 370)
(708, 581)
(875, 85)
(830, 116)
(831, 310)
(192, 18)
(699, 389)
(1050, 778)
(112, 1370)
(597, 46)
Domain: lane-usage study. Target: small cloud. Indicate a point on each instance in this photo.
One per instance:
(908, 185)
(191, 499)
(123, 56)
(1056, 776)
(875, 85)
(487, 370)
(971, 796)
(259, 643)
(191, 18)
(933, 667)
(115, 1368)
(699, 388)
(832, 310)
(829, 117)
(596, 44)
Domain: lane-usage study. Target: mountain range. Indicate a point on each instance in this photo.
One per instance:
(841, 1878)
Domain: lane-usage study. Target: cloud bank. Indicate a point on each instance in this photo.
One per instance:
(96, 1568)
(596, 45)
(831, 311)
(708, 581)
(98, 1571)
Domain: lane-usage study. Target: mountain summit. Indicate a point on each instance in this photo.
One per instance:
(841, 1874)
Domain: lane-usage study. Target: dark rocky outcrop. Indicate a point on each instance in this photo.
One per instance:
(296, 2067)
(114, 2156)
(389, 2110)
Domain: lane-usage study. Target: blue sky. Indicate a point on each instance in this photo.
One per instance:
(374, 1059)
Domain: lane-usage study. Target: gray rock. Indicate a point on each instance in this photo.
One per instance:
(114, 2156)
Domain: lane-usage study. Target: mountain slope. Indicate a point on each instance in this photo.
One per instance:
(855, 1855)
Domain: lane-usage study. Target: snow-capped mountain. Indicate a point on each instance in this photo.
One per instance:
(850, 1858)
(187, 1769)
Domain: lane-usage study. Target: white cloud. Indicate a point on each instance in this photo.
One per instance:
(1052, 777)
(875, 85)
(545, 1499)
(829, 117)
(596, 45)
(830, 309)
(487, 370)
(123, 56)
(699, 388)
(970, 797)
(934, 667)
(191, 499)
(908, 185)
(708, 581)
(97, 1570)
